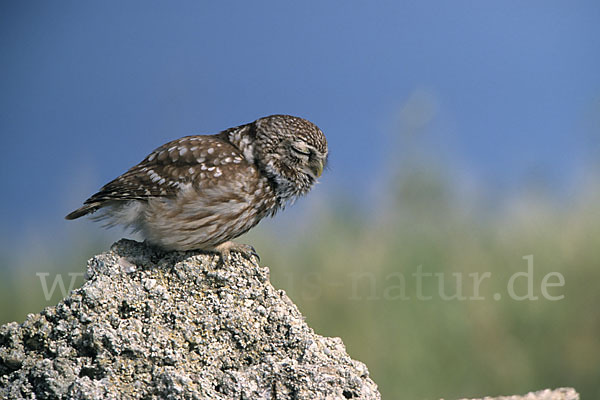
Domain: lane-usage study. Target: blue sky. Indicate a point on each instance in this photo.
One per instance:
(89, 88)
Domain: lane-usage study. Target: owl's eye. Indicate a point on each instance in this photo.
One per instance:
(301, 151)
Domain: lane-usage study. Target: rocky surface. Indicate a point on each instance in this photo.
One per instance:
(172, 325)
(558, 394)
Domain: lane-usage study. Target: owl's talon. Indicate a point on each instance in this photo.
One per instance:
(251, 251)
(245, 250)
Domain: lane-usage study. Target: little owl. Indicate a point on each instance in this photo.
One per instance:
(199, 192)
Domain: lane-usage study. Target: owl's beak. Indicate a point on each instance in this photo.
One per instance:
(317, 168)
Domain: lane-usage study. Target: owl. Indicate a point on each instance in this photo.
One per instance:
(200, 192)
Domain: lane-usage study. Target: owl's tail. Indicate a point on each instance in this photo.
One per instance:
(86, 209)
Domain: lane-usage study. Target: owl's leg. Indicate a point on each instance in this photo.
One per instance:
(247, 251)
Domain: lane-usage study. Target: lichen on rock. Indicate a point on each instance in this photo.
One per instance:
(169, 325)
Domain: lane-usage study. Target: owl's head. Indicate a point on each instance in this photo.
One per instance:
(291, 151)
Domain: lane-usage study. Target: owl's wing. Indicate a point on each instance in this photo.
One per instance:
(167, 170)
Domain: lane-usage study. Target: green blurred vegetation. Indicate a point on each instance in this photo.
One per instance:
(429, 349)
(341, 266)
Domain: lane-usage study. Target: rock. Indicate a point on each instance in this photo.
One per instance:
(173, 325)
(557, 394)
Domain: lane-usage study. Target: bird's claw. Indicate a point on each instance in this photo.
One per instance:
(245, 250)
